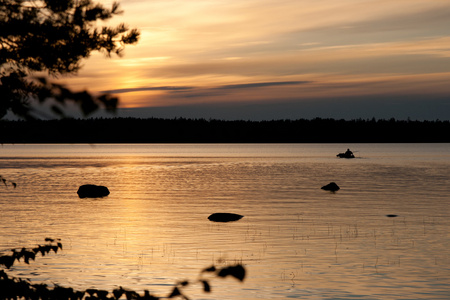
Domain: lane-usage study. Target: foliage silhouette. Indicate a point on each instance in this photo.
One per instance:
(27, 254)
(18, 288)
(51, 37)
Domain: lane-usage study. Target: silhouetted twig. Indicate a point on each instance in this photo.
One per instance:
(7, 182)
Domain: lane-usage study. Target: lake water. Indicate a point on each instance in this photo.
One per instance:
(295, 240)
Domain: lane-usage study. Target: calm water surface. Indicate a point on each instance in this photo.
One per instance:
(296, 240)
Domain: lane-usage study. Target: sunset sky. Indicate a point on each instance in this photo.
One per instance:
(276, 59)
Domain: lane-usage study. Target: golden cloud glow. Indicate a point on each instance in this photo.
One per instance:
(347, 47)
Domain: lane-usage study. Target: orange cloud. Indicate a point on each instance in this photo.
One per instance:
(340, 48)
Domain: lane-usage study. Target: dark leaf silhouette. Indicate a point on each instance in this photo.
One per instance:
(237, 272)
(148, 296)
(131, 295)
(62, 292)
(29, 255)
(206, 286)
(102, 294)
(91, 292)
(210, 269)
(175, 293)
(184, 283)
(44, 249)
(118, 292)
(7, 261)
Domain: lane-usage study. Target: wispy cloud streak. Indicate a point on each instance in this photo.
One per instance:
(222, 87)
(260, 85)
(142, 89)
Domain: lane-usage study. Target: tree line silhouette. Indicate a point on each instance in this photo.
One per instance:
(182, 130)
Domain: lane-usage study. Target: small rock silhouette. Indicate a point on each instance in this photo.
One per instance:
(92, 191)
(224, 217)
(333, 187)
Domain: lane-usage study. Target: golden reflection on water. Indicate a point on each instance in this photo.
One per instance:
(295, 240)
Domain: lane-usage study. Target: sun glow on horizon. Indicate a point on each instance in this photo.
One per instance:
(189, 51)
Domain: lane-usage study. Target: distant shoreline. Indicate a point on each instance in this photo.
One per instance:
(181, 130)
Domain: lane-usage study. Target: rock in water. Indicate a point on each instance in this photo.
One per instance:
(92, 191)
(391, 216)
(224, 217)
(333, 187)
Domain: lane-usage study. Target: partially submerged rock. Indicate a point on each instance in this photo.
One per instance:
(333, 187)
(224, 217)
(92, 191)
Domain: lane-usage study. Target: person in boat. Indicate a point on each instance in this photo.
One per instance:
(348, 153)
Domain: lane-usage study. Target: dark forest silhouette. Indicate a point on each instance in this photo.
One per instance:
(181, 130)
